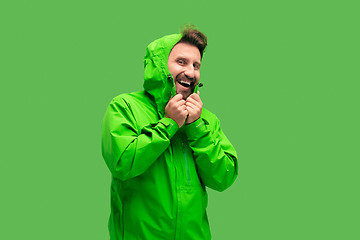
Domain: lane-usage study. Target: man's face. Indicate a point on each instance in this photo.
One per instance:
(184, 65)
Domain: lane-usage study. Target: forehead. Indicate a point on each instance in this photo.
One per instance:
(185, 50)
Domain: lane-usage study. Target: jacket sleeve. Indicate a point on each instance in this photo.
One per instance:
(127, 150)
(215, 157)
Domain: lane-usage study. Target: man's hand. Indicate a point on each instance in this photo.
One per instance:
(194, 106)
(176, 110)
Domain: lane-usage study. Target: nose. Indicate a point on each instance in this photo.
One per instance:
(190, 72)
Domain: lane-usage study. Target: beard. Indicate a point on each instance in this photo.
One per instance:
(185, 92)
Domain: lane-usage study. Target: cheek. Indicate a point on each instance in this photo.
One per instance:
(170, 67)
(174, 69)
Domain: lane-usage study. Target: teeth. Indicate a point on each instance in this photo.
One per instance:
(185, 83)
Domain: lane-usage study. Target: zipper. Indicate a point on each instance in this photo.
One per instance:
(186, 163)
(177, 201)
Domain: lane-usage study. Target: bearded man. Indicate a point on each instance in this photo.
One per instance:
(163, 148)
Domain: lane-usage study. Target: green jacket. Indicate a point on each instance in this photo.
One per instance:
(159, 172)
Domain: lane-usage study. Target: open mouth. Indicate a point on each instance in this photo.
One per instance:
(186, 84)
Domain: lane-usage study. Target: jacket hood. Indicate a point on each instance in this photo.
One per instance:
(158, 81)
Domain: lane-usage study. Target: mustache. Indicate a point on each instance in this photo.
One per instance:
(182, 76)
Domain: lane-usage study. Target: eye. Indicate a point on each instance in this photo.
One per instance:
(181, 61)
(196, 66)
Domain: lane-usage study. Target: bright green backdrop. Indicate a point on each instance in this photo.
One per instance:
(282, 76)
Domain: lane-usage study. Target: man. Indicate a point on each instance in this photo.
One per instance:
(163, 148)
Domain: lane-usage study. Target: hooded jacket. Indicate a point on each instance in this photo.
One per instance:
(160, 172)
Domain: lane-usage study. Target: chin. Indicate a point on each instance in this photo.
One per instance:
(185, 95)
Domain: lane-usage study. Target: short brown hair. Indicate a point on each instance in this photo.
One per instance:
(194, 37)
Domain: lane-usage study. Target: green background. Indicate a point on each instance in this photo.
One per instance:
(282, 76)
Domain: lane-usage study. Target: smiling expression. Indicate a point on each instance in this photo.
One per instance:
(184, 65)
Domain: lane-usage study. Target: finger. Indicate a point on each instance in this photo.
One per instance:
(190, 111)
(192, 105)
(195, 96)
(193, 101)
(192, 108)
(180, 103)
(177, 97)
(182, 108)
(198, 92)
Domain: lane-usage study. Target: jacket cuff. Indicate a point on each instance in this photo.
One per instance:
(171, 126)
(195, 129)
